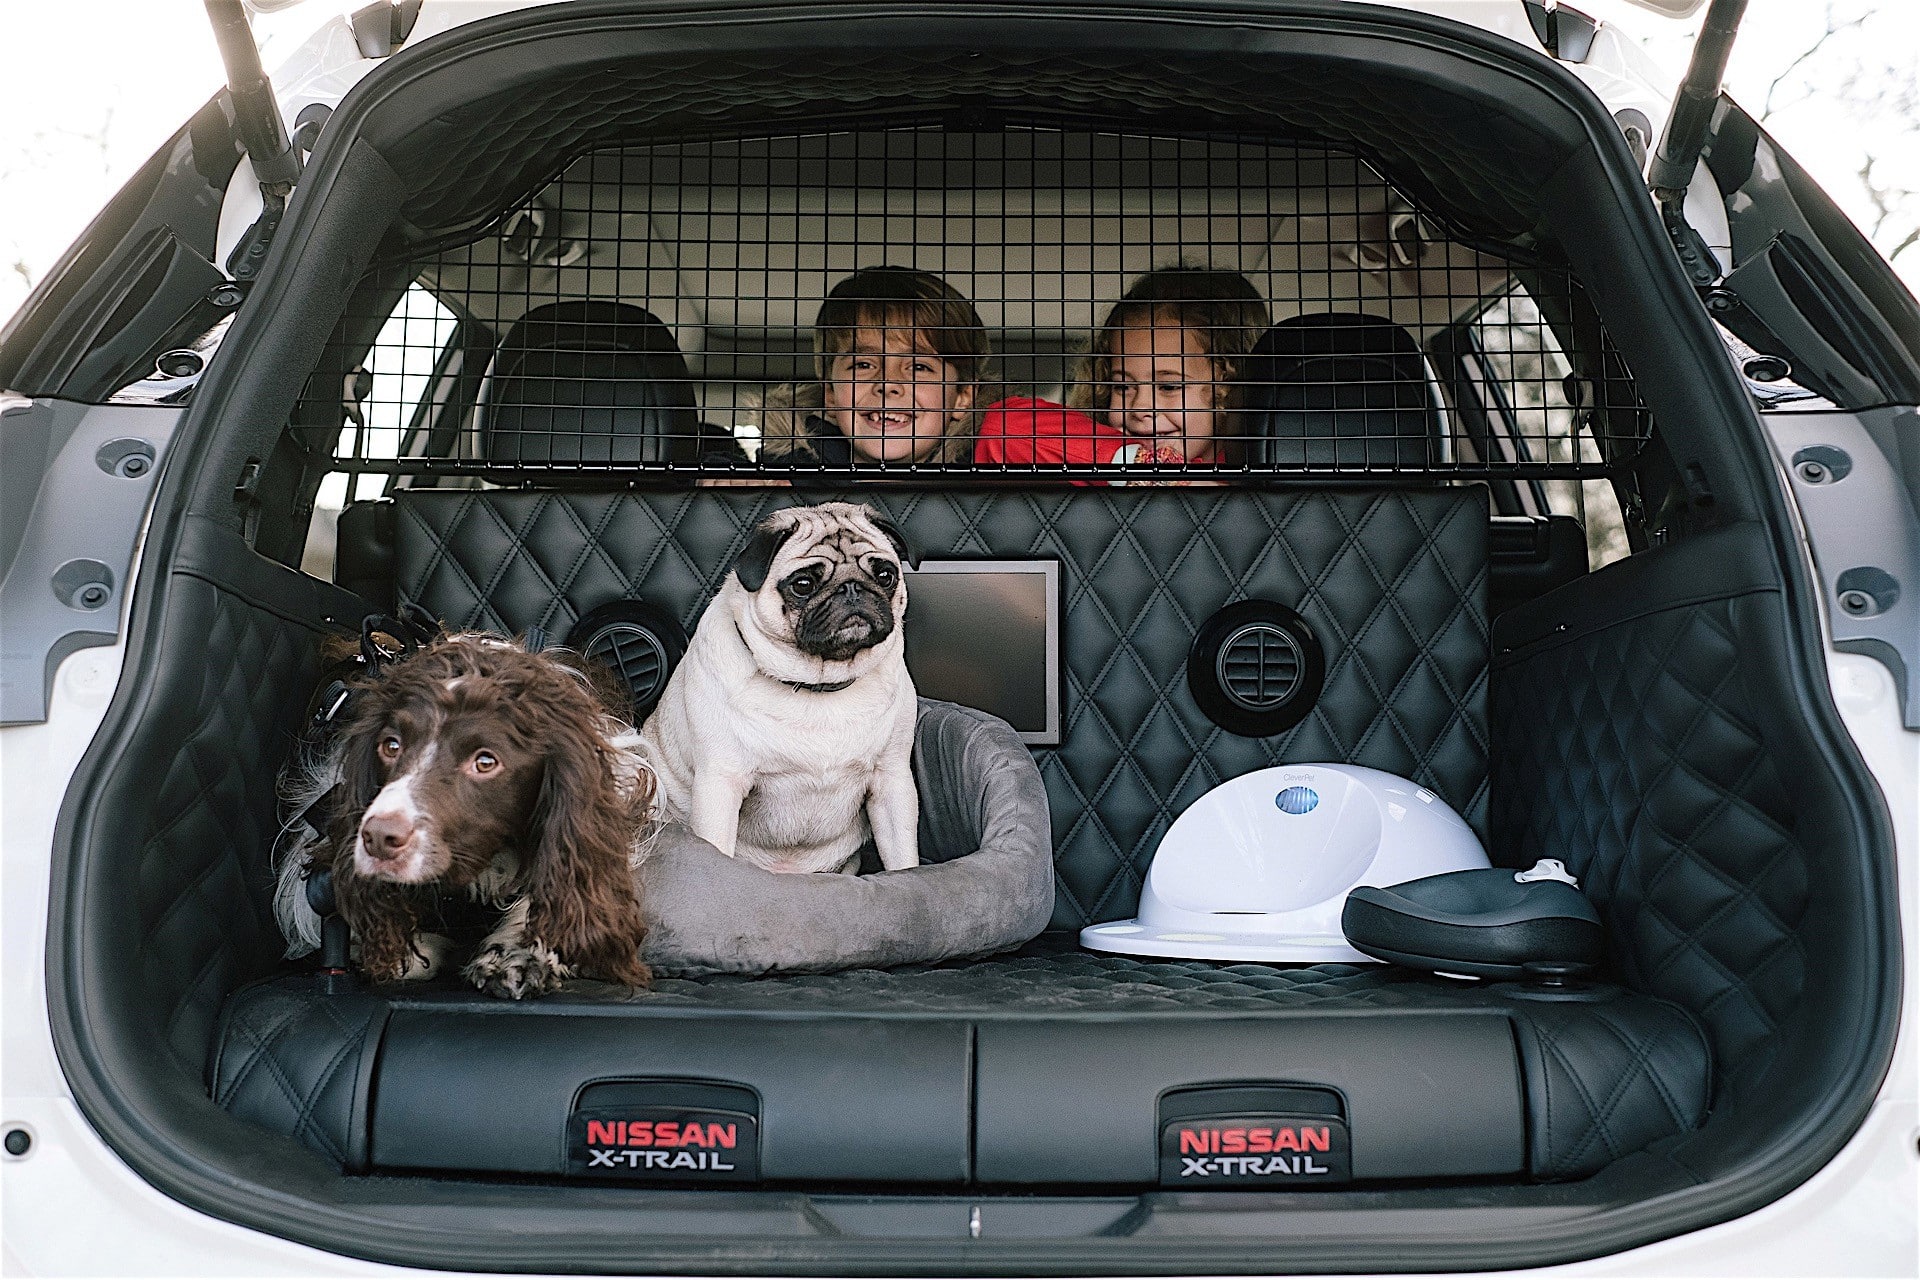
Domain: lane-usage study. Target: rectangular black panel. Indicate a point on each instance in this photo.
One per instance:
(1277, 1152)
(1426, 1095)
(1253, 1136)
(860, 1099)
(986, 634)
(670, 1132)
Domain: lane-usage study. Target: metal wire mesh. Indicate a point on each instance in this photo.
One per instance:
(1025, 302)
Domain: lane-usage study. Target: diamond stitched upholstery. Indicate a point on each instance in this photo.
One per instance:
(1380, 576)
(300, 1064)
(210, 814)
(1602, 1077)
(466, 163)
(1049, 977)
(1631, 754)
(1393, 583)
(1608, 1078)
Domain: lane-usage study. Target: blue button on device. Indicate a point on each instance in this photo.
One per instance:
(1297, 800)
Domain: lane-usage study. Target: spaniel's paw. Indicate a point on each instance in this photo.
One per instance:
(514, 972)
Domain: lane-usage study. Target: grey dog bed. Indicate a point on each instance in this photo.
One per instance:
(984, 883)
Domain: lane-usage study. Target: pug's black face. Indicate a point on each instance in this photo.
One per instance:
(838, 605)
(826, 588)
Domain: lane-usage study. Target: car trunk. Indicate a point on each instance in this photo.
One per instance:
(1658, 724)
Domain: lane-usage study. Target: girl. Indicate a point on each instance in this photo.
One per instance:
(1157, 385)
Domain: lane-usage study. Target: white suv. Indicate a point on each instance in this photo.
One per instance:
(1596, 509)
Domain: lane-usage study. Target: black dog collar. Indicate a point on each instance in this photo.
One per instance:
(835, 687)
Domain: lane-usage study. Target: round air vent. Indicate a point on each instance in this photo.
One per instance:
(1259, 667)
(1255, 668)
(638, 642)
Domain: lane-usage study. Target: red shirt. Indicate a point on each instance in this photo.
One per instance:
(1021, 431)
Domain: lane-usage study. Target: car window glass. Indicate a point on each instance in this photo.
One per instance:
(379, 401)
(1546, 404)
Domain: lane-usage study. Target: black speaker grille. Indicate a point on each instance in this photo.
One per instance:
(1259, 666)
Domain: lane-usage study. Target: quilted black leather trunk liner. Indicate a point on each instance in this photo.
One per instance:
(970, 1072)
(1044, 1068)
(1393, 583)
(1642, 752)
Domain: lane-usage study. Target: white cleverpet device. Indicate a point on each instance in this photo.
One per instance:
(1259, 867)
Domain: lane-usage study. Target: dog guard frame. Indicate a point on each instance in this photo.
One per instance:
(698, 268)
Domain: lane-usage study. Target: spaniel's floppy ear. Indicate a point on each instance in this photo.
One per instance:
(756, 558)
(581, 898)
(884, 523)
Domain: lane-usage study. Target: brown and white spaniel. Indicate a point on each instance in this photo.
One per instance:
(474, 765)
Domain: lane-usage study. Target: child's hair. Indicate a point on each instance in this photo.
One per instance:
(1222, 307)
(901, 299)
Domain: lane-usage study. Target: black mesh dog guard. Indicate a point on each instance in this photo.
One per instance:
(1107, 306)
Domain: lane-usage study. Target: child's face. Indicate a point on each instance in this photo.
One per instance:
(893, 399)
(1163, 390)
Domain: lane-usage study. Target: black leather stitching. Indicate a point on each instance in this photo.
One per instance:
(208, 810)
(1608, 1077)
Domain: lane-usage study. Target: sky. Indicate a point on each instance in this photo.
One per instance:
(93, 87)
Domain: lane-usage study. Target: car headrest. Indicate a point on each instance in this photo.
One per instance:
(587, 383)
(1338, 390)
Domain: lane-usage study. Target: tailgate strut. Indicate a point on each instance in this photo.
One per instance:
(1671, 169)
(256, 118)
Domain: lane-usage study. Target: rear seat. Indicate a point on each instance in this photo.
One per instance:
(1053, 1067)
(586, 383)
(1341, 389)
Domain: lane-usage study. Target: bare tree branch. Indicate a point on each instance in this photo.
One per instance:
(1877, 196)
(1889, 201)
(1879, 92)
(1833, 28)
